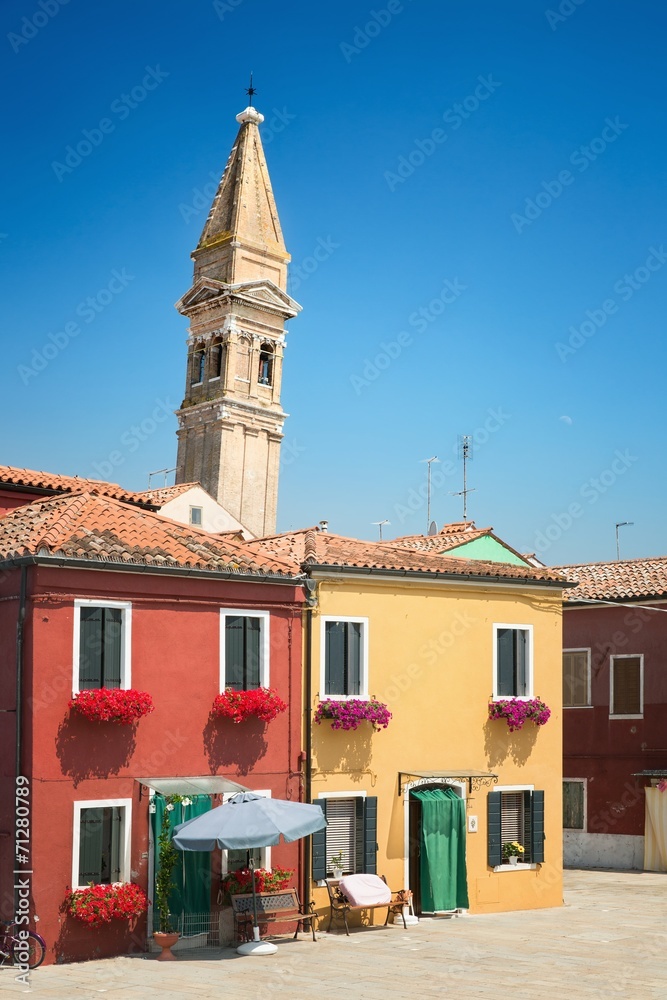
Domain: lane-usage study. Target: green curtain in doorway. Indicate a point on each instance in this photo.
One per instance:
(193, 875)
(442, 863)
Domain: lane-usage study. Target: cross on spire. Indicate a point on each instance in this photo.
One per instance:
(250, 91)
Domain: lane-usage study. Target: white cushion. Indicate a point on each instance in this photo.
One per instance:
(365, 890)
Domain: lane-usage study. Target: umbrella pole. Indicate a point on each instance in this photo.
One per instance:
(255, 947)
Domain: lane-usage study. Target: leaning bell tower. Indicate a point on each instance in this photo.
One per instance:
(230, 423)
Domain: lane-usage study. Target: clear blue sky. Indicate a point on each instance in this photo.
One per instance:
(477, 177)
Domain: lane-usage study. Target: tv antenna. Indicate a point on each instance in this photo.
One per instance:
(160, 472)
(378, 524)
(465, 453)
(429, 462)
(621, 524)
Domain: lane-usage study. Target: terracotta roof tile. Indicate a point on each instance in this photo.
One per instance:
(311, 547)
(450, 536)
(51, 482)
(94, 527)
(163, 495)
(612, 581)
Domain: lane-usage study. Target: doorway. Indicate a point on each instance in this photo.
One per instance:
(437, 848)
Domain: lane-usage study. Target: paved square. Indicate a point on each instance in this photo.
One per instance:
(608, 941)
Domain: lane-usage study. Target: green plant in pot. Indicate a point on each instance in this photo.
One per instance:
(166, 936)
(337, 864)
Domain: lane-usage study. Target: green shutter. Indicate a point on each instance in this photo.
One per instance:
(113, 638)
(537, 828)
(370, 834)
(90, 647)
(252, 653)
(319, 847)
(234, 652)
(494, 829)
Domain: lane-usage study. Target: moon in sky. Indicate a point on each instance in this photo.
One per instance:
(566, 420)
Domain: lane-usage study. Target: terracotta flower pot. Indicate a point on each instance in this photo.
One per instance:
(166, 940)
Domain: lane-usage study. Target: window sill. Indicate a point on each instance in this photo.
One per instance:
(578, 706)
(216, 378)
(626, 716)
(515, 868)
(193, 385)
(345, 697)
(516, 697)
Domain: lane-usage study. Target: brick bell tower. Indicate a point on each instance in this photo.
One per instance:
(231, 419)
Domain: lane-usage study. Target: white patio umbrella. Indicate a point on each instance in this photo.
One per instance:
(249, 820)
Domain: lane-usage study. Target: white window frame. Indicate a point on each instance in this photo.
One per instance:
(587, 650)
(264, 852)
(357, 794)
(201, 516)
(264, 642)
(531, 671)
(126, 645)
(79, 805)
(514, 788)
(626, 656)
(363, 694)
(584, 782)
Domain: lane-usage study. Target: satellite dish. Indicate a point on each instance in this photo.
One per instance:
(433, 528)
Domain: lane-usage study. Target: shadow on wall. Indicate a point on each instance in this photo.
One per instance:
(77, 942)
(89, 749)
(500, 743)
(343, 750)
(237, 744)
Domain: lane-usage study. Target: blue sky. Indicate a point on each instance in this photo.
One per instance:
(485, 183)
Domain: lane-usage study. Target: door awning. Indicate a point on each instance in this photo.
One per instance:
(208, 784)
(475, 779)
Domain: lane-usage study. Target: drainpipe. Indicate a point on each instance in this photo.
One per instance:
(19, 700)
(307, 853)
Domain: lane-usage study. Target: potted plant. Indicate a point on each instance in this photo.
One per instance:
(337, 864)
(169, 856)
(99, 904)
(517, 711)
(112, 705)
(512, 851)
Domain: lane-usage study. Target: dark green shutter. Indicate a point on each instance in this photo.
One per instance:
(494, 828)
(234, 652)
(537, 828)
(90, 647)
(113, 638)
(319, 847)
(370, 834)
(252, 653)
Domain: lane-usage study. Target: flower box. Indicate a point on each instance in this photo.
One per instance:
(266, 880)
(350, 714)
(100, 904)
(516, 712)
(263, 703)
(112, 705)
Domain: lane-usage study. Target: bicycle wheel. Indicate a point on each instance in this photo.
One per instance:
(34, 949)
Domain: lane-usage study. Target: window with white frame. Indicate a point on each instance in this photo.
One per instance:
(102, 644)
(344, 657)
(244, 650)
(574, 804)
(196, 516)
(576, 678)
(626, 686)
(513, 661)
(101, 847)
(515, 815)
(350, 834)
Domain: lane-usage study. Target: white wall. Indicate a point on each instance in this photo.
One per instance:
(602, 850)
(214, 516)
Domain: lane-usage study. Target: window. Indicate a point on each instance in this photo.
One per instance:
(627, 687)
(516, 814)
(101, 848)
(196, 516)
(198, 367)
(345, 657)
(102, 633)
(351, 831)
(574, 809)
(217, 361)
(576, 678)
(513, 658)
(244, 650)
(265, 376)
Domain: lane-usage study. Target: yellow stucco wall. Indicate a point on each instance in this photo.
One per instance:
(431, 661)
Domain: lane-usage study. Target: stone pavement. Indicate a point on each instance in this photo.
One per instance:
(608, 941)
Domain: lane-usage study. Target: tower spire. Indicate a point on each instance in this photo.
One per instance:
(231, 419)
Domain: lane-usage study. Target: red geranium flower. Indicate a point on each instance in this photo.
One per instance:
(112, 705)
(264, 703)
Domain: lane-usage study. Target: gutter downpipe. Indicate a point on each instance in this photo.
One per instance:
(308, 784)
(19, 698)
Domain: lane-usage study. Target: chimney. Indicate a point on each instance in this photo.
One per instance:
(323, 525)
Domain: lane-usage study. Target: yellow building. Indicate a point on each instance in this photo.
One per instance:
(433, 800)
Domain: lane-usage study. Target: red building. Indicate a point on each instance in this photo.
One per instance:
(615, 715)
(96, 592)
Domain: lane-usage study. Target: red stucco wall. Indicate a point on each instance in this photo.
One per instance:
(175, 657)
(609, 751)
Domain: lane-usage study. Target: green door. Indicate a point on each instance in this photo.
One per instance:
(443, 881)
(192, 877)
